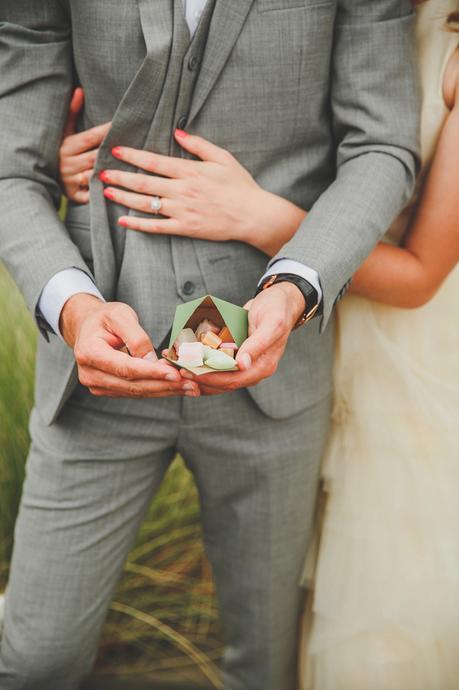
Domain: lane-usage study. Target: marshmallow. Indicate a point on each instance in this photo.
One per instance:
(204, 327)
(185, 336)
(191, 354)
(228, 346)
(212, 340)
(220, 361)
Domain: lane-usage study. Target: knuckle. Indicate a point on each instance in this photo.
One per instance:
(87, 140)
(232, 386)
(135, 391)
(227, 157)
(118, 310)
(137, 343)
(271, 369)
(85, 379)
(81, 355)
(122, 372)
(97, 392)
(142, 185)
(150, 163)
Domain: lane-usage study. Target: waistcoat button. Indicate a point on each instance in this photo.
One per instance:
(193, 63)
(181, 123)
(189, 287)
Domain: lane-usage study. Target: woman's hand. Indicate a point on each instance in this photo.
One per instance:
(214, 198)
(78, 152)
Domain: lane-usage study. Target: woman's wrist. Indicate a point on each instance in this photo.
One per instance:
(272, 222)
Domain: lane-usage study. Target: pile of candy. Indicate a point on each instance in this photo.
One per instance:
(208, 346)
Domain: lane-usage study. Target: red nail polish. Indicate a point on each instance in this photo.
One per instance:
(181, 133)
(123, 222)
(109, 194)
(117, 152)
(103, 176)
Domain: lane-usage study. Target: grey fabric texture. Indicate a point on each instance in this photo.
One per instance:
(317, 98)
(90, 477)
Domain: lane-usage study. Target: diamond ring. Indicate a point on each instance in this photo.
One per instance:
(156, 204)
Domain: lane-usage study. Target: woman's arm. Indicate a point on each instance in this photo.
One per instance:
(214, 198)
(409, 276)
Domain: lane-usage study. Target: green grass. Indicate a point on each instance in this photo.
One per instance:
(164, 614)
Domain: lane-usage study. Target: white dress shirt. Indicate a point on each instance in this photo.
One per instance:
(72, 281)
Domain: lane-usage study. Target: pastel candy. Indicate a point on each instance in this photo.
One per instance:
(227, 351)
(185, 336)
(204, 327)
(225, 334)
(211, 339)
(191, 354)
(220, 361)
(228, 346)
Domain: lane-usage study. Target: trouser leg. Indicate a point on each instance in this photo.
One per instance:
(90, 478)
(257, 479)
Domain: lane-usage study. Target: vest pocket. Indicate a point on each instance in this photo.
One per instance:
(279, 5)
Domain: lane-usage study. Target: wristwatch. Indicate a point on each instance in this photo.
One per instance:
(309, 293)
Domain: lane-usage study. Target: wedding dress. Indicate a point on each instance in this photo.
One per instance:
(385, 605)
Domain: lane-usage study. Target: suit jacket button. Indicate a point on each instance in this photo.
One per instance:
(181, 124)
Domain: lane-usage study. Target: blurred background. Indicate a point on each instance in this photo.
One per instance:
(162, 628)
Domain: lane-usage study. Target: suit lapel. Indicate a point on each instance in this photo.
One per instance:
(134, 113)
(130, 126)
(227, 21)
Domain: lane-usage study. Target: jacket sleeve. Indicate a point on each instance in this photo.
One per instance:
(375, 109)
(35, 88)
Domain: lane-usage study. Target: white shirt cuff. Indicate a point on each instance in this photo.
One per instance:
(59, 289)
(297, 268)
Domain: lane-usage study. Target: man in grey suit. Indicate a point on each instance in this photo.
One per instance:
(318, 100)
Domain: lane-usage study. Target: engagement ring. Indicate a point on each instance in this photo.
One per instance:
(156, 204)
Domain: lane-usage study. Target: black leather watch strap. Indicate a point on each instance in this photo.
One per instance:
(309, 293)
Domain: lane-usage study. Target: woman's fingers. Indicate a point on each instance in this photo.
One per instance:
(203, 149)
(83, 178)
(167, 166)
(79, 196)
(84, 141)
(138, 182)
(168, 226)
(138, 202)
(75, 106)
(76, 187)
(77, 163)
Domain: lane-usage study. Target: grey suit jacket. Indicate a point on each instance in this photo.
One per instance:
(317, 98)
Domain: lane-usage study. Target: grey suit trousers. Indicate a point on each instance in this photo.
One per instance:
(90, 478)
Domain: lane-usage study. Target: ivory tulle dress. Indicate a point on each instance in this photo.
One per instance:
(386, 593)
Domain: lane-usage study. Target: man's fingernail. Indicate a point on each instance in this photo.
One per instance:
(117, 151)
(181, 133)
(192, 394)
(150, 356)
(187, 375)
(172, 377)
(188, 387)
(246, 360)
